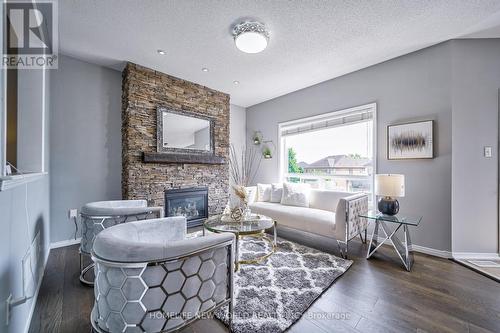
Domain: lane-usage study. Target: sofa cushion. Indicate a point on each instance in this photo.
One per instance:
(276, 192)
(263, 192)
(312, 220)
(296, 194)
(326, 199)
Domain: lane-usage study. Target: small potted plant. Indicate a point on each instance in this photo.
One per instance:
(266, 152)
(257, 138)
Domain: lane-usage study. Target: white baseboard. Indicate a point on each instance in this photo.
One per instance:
(424, 250)
(64, 243)
(54, 245)
(449, 254)
(471, 255)
(35, 295)
(432, 252)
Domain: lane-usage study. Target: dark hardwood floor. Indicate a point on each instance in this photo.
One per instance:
(375, 295)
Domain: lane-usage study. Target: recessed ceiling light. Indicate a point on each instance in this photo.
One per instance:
(236, 82)
(161, 52)
(251, 37)
(204, 69)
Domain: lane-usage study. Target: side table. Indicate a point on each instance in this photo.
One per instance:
(402, 248)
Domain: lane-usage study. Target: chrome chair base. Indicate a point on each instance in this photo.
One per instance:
(84, 271)
(94, 224)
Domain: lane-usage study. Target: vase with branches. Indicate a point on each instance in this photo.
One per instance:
(243, 167)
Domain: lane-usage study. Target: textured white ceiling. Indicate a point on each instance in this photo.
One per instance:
(311, 40)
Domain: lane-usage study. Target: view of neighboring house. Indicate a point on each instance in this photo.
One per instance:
(340, 172)
(339, 165)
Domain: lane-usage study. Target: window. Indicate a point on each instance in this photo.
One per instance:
(23, 105)
(24, 116)
(331, 151)
(11, 112)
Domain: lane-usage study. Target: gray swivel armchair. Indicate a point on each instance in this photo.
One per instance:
(150, 278)
(97, 216)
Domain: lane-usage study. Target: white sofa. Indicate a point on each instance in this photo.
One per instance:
(330, 213)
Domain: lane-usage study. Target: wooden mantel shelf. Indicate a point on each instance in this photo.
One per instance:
(182, 158)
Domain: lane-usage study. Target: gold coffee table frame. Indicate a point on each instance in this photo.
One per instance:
(258, 233)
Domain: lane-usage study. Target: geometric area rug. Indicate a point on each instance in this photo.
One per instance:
(270, 296)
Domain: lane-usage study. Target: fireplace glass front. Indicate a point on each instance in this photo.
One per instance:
(189, 202)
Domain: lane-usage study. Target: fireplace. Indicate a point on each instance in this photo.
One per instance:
(189, 202)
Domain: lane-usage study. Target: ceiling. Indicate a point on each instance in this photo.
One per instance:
(311, 40)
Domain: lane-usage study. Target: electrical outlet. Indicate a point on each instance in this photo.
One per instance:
(73, 213)
(487, 151)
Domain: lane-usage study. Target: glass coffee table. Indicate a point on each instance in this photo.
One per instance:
(402, 247)
(254, 226)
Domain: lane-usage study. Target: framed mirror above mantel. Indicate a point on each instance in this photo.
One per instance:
(183, 137)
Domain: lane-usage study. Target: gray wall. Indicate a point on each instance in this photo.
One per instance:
(412, 87)
(24, 214)
(237, 126)
(454, 83)
(85, 165)
(237, 130)
(14, 243)
(29, 131)
(85, 140)
(476, 83)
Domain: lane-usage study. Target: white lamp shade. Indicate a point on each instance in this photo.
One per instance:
(390, 185)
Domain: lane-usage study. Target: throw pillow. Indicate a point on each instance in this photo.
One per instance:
(296, 194)
(263, 192)
(251, 194)
(276, 192)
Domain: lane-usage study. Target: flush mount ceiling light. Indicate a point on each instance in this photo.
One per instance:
(251, 37)
(204, 69)
(161, 52)
(236, 82)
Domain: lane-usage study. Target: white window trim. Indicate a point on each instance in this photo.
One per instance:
(11, 181)
(283, 159)
(3, 107)
(8, 182)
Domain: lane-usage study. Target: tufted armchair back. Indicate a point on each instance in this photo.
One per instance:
(97, 216)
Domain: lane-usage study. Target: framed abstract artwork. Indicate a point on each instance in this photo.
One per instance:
(410, 140)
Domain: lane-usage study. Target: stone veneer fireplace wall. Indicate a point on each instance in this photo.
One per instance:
(143, 91)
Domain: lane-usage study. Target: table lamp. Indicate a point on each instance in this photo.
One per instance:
(389, 187)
